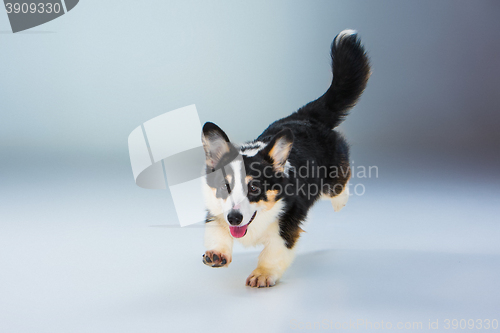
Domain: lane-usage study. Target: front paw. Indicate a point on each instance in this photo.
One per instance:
(261, 278)
(215, 258)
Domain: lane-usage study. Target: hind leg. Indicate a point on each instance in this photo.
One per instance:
(340, 200)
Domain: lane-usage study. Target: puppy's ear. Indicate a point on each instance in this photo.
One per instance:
(215, 142)
(279, 148)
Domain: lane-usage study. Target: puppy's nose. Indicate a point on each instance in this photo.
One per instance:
(234, 217)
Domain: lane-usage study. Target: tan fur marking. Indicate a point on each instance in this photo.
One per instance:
(271, 199)
(296, 235)
(277, 158)
(248, 179)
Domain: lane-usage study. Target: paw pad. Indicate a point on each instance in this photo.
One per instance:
(216, 259)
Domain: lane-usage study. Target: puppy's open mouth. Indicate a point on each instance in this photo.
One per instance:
(240, 231)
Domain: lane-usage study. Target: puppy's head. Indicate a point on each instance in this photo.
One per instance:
(244, 182)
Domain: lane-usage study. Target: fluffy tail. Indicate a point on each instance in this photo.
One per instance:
(351, 70)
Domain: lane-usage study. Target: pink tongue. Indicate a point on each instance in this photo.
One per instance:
(238, 232)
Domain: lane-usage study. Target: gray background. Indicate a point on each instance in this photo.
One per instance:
(435, 82)
(77, 250)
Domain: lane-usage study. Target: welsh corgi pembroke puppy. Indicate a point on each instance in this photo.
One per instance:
(260, 192)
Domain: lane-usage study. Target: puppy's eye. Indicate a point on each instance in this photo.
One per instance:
(224, 187)
(253, 189)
